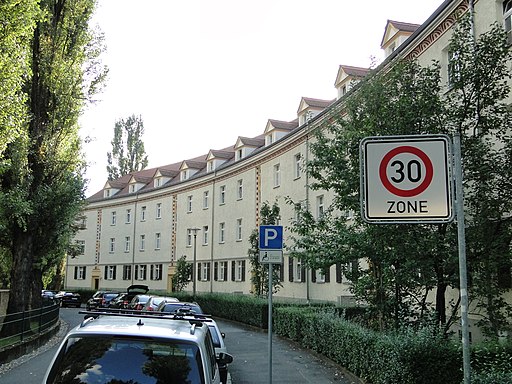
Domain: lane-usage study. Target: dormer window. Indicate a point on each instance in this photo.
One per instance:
(184, 175)
(268, 139)
(107, 192)
(507, 19)
(157, 182)
(209, 166)
(239, 154)
(132, 188)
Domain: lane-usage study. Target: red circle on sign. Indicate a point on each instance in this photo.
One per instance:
(429, 174)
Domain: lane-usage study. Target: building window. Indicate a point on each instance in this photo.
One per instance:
(127, 272)
(189, 203)
(453, 67)
(127, 243)
(320, 209)
(140, 272)
(222, 195)
(110, 272)
(238, 273)
(205, 235)
(128, 216)
(205, 199)
(238, 230)
(222, 230)
(143, 213)
(239, 154)
(507, 18)
(157, 182)
(240, 189)
(223, 266)
(112, 246)
(80, 247)
(132, 188)
(189, 237)
(184, 175)
(159, 210)
(142, 242)
(80, 273)
(297, 160)
(113, 218)
(277, 175)
(205, 274)
(209, 166)
(158, 238)
(155, 272)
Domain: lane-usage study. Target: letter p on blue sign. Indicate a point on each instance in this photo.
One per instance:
(271, 237)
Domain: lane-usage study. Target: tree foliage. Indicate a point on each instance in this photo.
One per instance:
(182, 276)
(128, 154)
(42, 187)
(406, 262)
(259, 273)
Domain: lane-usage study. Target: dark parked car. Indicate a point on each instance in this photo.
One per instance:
(180, 307)
(123, 300)
(69, 299)
(100, 299)
(138, 302)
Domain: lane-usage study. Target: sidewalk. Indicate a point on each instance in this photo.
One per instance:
(290, 363)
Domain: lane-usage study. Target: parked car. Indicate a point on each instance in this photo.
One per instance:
(154, 301)
(138, 302)
(175, 307)
(69, 299)
(48, 297)
(123, 300)
(220, 347)
(108, 348)
(100, 299)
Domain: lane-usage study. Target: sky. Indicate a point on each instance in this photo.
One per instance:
(201, 73)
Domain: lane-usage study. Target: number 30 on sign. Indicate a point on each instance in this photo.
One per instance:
(406, 179)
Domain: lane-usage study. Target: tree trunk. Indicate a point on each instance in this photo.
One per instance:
(441, 302)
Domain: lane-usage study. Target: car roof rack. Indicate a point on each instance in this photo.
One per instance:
(187, 315)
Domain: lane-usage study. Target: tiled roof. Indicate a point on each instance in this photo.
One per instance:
(317, 103)
(257, 141)
(355, 71)
(401, 26)
(194, 164)
(218, 154)
(287, 125)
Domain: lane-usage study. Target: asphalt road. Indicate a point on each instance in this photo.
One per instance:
(249, 347)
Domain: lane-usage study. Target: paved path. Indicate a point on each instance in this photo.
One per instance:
(291, 364)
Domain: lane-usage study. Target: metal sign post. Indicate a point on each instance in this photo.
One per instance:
(271, 251)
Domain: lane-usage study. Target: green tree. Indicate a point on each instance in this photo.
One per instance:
(43, 189)
(406, 262)
(182, 276)
(128, 154)
(259, 273)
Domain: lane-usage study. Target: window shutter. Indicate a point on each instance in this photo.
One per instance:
(290, 268)
(303, 275)
(76, 273)
(313, 275)
(106, 272)
(85, 273)
(338, 273)
(115, 267)
(233, 270)
(216, 271)
(328, 274)
(208, 273)
(243, 270)
(145, 272)
(198, 277)
(136, 272)
(152, 272)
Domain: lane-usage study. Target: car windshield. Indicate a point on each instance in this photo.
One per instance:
(110, 296)
(103, 360)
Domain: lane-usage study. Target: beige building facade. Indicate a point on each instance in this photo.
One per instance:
(136, 228)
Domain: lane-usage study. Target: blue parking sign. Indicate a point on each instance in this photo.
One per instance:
(271, 237)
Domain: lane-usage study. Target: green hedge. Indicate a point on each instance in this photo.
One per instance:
(491, 363)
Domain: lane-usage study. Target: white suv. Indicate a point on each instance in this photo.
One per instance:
(143, 349)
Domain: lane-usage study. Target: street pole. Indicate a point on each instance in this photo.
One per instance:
(270, 271)
(194, 271)
(464, 301)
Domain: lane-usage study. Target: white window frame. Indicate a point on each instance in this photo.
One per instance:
(297, 161)
(239, 268)
(189, 237)
(320, 276)
(222, 195)
(80, 275)
(205, 235)
(127, 243)
(277, 175)
(507, 16)
(157, 271)
(127, 272)
(297, 270)
(238, 234)
(143, 210)
(158, 211)
(112, 245)
(204, 271)
(222, 233)
(206, 195)
(222, 270)
(240, 189)
(320, 207)
(142, 242)
(111, 270)
(128, 216)
(80, 245)
(113, 218)
(189, 203)
(141, 273)
(158, 240)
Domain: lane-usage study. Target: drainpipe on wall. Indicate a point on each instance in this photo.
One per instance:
(213, 230)
(132, 274)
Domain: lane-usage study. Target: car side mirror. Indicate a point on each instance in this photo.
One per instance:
(224, 358)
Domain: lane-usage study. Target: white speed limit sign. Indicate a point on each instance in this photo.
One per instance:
(406, 179)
